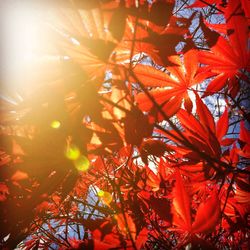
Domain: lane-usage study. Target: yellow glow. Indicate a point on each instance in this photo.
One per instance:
(55, 124)
(105, 197)
(72, 152)
(82, 163)
(100, 193)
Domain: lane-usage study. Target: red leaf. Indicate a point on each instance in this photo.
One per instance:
(201, 4)
(153, 180)
(221, 28)
(126, 224)
(188, 104)
(189, 122)
(239, 26)
(171, 99)
(206, 118)
(141, 238)
(191, 65)
(171, 107)
(222, 126)
(244, 133)
(227, 141)
(181, 205)
(216, 84)
(207, 216)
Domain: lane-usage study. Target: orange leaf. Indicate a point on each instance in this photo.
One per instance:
(191, 65)
(216, 84)
(149, 76)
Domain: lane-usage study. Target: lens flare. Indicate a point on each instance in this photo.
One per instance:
(55, 124)
(82, 163)
(105, 197)
(72, 152)
(100, 193)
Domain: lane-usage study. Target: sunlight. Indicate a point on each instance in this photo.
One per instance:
(25, 41)
(21, 30)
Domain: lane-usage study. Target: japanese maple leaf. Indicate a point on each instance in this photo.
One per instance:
(80, 33)
(228, 58)
(244, 141)
(205, 136)
(207, 215)
(152, 34)
(172, 88)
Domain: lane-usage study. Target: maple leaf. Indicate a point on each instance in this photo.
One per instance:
(244, 139)
(207, 215)
(205, 128)
(174, 86)
(181, 205)
(146, 36)
(80, 33)
(228, 58)
(126, 225)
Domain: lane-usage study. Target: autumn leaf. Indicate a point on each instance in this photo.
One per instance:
(174, 85)
(208, 215)
(181, 205)
(228, 57)
(206, 118)
(222, 125)
(126, 225)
